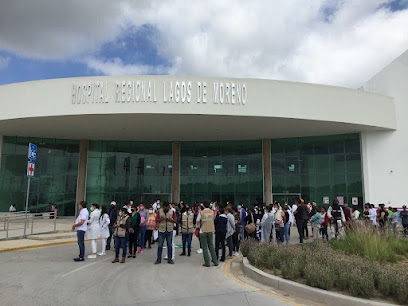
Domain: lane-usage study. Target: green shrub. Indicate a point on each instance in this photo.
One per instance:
(319, 275)
(361, 283)
(372, 244)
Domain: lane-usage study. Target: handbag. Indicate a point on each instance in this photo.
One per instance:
(250, 228)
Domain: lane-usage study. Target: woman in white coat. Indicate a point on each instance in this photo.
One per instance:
(93, 231)
(104, 228)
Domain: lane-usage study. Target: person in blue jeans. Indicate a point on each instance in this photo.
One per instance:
(80, 226)
(144, 217)
(187, 230)
(286, 227)
(242, 215)
(121, 234)
(165, 219)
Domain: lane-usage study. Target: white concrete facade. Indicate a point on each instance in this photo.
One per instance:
(384, 154)
(171, 108)
(77, 108)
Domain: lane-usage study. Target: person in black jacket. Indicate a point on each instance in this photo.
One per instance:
(113, 215)
(220, 223)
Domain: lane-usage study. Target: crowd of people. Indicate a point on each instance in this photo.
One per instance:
(135, 227)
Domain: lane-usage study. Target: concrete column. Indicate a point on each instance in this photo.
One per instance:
(175, 178)
(1, 147)
(267, 171)
(82, 169)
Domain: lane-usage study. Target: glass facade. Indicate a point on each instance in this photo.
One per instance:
(123, 170)
(55, 178)
(317, 167)
(221, 171)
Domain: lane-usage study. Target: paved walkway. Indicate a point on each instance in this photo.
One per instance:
(49, 276)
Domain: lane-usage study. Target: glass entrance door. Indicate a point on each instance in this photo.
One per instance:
(286, 198)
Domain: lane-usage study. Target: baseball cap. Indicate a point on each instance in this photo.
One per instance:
(113, 203)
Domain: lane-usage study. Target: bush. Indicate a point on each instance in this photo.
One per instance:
(325, 267)
(372, 244)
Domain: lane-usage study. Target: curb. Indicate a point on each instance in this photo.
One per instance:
(311, 293)
(36, 246)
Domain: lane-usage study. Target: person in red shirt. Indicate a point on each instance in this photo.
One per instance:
(347, 214)
(325, 223)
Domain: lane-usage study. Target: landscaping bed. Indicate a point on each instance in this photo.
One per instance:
(327, 266)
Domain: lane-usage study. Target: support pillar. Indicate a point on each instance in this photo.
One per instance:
(175, 177)
(82, 170)
(267, 171)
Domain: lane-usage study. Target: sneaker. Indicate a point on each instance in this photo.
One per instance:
(79, 259)
(235, 254)
(183, 254)
(123, 260)
(140, 251)
(92, 256)
(115, 260)
(165, 257)
(102, 254)
(200, 251)
(157, 262)
(171, 262)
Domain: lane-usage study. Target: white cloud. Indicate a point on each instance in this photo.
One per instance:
(117, 67)
(291, 40)
(4, 62)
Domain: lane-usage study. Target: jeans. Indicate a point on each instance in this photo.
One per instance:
(148, 240)
(169, 239)
(324, 232)
(108, 242)
(286, 232)
(142, 234)
(220, 239)
(230, 245)
(81, 243)
(242, 232)
(121, 242)
(300, 226)
(235, 242)
(186, 238)
(133, 243)
(279, 235)
(207, 242)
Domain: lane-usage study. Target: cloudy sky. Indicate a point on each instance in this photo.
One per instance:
(335, 42)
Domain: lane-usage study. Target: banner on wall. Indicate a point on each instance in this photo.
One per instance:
(354, 200)
(326, 200)
(341, 200)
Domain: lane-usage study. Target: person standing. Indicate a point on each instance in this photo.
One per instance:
(279, 222)
(325, 223)
(286, 226)
(394, 221)
(242, 216)
(382, 215)
(121, 234)
(220, 224)
(235, 236)
(187, 230)
(80, 226)
(12, 208)
(166, 219)
(355, 215)
(301, 216)
(144, 216)
(150, 227)
(133, 232)
(93, 232)
(404, 219)
(230, 230)
(113, 215)
(267, 224)
(104, 229)
(336, 220)
(205, 221)
(315, 222)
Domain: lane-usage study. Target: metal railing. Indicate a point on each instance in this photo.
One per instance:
(37, 223)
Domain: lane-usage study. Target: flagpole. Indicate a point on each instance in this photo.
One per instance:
(26, 206)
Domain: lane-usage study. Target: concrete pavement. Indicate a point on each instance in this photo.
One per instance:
(49, 276)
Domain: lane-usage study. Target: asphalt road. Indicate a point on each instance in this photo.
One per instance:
(49, 276)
